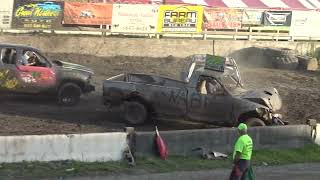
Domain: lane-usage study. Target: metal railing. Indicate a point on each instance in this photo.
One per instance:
(273, 35)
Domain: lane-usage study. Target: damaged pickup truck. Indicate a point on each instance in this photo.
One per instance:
(24, 70)
(210, 91)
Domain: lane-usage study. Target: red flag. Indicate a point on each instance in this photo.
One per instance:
(161, 146)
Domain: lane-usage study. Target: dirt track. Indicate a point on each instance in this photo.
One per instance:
(40, 115)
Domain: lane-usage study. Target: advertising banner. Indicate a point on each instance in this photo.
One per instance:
(6, 9)
(252, 17)
(180, 19)
(87, 13)
(128, 1)
(134, 18)
(305, 23)
(277, 18)
(222, 18)
(37, 14)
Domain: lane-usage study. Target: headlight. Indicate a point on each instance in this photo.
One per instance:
(260, 111)
(264, 113)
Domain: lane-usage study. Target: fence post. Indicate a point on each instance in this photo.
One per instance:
(235, 35)
(291, 38)
(205, 34)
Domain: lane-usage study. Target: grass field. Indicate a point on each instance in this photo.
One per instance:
(144, 165)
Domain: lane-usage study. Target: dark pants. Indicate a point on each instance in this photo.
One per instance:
(240, 170)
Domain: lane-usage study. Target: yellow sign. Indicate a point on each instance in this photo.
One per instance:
(180, 19)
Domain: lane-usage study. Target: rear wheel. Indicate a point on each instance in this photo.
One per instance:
(69, 94)
(251, 122)
(135, 113)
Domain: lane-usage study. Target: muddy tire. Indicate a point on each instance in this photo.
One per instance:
(282, 58)
(69, 94)
(135, 113)
(252, 122)
(286, 62)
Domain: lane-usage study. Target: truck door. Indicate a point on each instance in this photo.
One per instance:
(35, 72)
(167, 101)
(9, 81)
(209, 102)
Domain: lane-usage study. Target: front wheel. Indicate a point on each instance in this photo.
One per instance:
(252, 122)
(135, 113)
(69, 94)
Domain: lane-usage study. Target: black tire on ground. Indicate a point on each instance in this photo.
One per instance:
(251, 122)
(286, 62)
(135, 113)
(69, 94)
(282, 58)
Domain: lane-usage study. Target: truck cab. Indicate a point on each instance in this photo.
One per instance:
(25, 70)
(210, 91)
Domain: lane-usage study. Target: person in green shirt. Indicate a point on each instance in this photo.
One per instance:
(241, 154)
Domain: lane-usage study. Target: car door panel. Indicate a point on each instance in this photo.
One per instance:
(36, 79)
(167, 101)
(8, 80)
(209, 102)
(8, 75)
(209, 108)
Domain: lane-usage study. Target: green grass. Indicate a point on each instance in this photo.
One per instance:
(280, 157)
(33, 170)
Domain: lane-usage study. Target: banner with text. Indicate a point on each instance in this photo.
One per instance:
(180, 19)
(6, 9)
(37, 14)
(134, 18)
(305, 23)
(252, 17)
(87, 13)
(277, 18)
(222, 18)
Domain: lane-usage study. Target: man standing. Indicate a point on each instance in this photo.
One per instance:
(241, 154)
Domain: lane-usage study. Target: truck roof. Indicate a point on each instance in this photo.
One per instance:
(16, 46)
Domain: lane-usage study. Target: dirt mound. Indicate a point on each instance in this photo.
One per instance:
(35, 115)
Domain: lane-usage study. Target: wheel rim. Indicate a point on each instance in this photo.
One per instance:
(135, 114)
(69, 96)
(68, 100)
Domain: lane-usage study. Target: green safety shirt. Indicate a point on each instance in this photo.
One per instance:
(244, 146)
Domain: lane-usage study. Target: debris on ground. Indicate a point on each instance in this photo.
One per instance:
(69, 170)
(308, 63)
(211, 155)
(129, 157)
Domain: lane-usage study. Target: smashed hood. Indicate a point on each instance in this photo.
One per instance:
(267, 96)
(73, 66)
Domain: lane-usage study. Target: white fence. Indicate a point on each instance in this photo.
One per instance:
(223, 35)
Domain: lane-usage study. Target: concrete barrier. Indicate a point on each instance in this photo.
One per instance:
(79, 147)
(223, 139)
(110, 146)
(316, 134)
